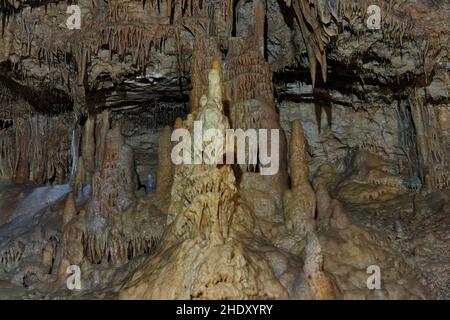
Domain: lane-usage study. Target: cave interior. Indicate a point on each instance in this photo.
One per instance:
(356, 90)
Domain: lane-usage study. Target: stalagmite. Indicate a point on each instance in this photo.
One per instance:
(320, 284)
(88, 148)
(323, 201)
(113, 187)
(165, 170)
(202, 221)
(300, 201)
(339, 218)
(101, 130)
(80, 174)
(70, 209)
(88, 181)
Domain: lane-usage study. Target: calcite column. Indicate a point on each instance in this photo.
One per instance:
(300, 201)
(431, 143)
(165, 169)
(205, 51)
(201, 256)
(101, 129)
(320, 284)
(88, 148)
(249, 94)
(113, 189)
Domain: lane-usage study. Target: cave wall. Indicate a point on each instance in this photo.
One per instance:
(140, 128)
(376, 130)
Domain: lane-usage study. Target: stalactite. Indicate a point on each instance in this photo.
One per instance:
(434, 165)
(139, 246)
(409, 146)
(32, 150)
(316, 19)
(81, 59)
(260, 19)
(11, 255)
(6, 10)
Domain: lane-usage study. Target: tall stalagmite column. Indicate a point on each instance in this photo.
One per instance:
(201, 255)
(300, 201)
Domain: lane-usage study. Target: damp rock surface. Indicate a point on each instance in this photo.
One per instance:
(89, 185)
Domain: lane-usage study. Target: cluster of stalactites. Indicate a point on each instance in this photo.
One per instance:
(116, 249)
(11, 255)
(248, 76)
(131, 40)
(131, 37)
(432, 144)
(314, 18)
(395, 22)
(318, 19)
(36, 149)
(208, 14)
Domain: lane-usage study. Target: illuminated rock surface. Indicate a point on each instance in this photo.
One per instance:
(86, 172)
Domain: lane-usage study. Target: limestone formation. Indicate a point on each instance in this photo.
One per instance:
(300, 201)
(320, 284)
(89, 172)
(113, 193)
(201, 227)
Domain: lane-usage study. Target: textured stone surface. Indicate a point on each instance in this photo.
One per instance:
(86, 175)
